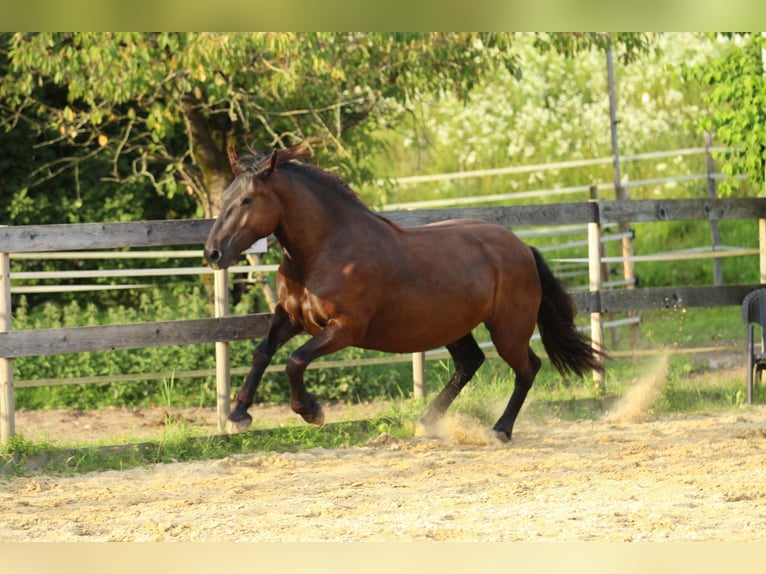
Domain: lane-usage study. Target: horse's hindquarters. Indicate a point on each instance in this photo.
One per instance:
(444, 280)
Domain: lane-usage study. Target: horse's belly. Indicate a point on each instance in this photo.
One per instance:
(394, 332)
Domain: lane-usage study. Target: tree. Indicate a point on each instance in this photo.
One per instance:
(164, 107)
(737, 108)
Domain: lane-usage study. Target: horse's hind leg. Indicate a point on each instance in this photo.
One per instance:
(467, 357)
(525, 375)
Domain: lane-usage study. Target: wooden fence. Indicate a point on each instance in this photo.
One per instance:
(222, 329)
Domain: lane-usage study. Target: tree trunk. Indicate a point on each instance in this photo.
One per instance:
(209, 137)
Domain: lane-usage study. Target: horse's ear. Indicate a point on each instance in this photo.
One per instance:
(301, 151)
(278, 157)
(233, 159)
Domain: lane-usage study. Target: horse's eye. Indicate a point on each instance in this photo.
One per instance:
(246, 202)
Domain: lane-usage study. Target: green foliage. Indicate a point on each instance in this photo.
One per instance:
(558, 111)
(166, 105)
(629, 46)
(160, 304)
(737, 106)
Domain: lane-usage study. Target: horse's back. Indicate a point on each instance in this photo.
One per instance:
(476, 244)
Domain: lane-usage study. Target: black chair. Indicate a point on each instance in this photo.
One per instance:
(754, 312)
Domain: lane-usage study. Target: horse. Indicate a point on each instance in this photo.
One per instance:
(351, 277)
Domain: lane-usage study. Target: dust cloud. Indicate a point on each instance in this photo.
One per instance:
(635, 406)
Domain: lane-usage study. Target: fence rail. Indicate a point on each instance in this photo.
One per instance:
(54, 238)
(29, 343)
(570, 164)
(90, 236)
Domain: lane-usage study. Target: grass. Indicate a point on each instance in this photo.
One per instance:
(181, 442)
(688, 389)
(691, 391)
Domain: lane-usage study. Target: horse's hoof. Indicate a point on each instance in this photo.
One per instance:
(238, 422)
(499, 436)
(316, 416)
(427, 428)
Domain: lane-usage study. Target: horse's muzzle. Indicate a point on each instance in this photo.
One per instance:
(213, 258)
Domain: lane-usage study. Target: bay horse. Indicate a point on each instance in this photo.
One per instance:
(350, 277)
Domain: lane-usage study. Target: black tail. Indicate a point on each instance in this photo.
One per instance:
(568, 349)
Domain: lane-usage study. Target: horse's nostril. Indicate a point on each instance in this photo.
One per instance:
(213, 255)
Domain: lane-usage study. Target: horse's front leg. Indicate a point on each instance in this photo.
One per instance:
(281, 330)
(334, 337)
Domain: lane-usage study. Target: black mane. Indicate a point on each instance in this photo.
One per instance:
(259, 164)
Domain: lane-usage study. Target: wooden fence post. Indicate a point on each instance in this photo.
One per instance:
(762, 222)
(620, 193)
(419, 375)
(222, 370)
(715, 232)
(594, 196)
(595, 280)
(7, 406)
(762, 247)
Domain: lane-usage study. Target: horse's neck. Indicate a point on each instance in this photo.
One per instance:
(311, 218)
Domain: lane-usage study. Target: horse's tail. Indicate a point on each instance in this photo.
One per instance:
(568, 349)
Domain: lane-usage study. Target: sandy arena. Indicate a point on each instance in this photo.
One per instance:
(617, 479)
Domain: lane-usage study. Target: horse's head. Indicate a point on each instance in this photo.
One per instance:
(250, 210)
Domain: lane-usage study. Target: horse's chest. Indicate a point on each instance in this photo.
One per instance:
(324, 295)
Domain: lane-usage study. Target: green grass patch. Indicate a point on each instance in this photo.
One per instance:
(181, 443)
